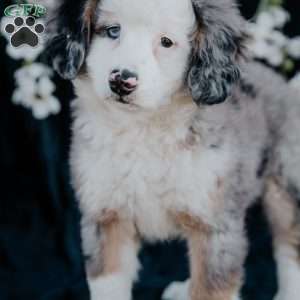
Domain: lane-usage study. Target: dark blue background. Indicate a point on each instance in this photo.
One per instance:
(40, 255)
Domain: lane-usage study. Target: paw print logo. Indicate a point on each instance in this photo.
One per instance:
(24, 31)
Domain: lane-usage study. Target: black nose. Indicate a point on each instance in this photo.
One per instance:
(123, 82)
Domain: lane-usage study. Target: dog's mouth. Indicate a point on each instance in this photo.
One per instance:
(123, 100)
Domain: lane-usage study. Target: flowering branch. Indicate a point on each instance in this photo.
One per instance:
(268, 42)
(265, 4)
(34, 87)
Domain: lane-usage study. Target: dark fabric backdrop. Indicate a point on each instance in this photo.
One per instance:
(40, 255)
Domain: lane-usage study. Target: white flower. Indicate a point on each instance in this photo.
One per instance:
(274, 17)
(268, 42)
(34, 90)
(295, 82)
(279, 16)
(24, 52)
(293, 47)
(264, 22)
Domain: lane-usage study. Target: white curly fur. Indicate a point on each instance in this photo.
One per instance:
(161, 153)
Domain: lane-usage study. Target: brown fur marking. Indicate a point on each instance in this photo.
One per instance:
(189, 223)
(198, 234)
(115, 232)
(88, 17)
(200, 288)
(283, 214)
(107, 217)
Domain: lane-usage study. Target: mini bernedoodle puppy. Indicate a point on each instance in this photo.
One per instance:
(176, 133)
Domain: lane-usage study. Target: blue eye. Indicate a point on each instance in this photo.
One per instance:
(113, 32)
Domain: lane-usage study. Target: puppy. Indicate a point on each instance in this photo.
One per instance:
(175, 134)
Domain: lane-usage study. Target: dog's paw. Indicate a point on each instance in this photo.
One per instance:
(112, 287)
(288, 295)
(177, 291)
(236, 297)
(180, 291)
(288, 273)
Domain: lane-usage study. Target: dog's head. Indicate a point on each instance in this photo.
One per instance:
(142, 52)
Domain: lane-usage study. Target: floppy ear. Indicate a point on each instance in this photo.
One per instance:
(217, 47)
(71, 37)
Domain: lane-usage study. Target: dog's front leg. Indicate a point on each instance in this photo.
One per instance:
(216, 258)
(118, 259)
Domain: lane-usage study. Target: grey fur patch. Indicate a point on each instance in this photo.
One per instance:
(227, 251)
(247, 88)
(265, 158)
(217, 47)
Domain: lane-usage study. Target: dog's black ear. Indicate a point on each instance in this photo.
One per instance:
(70, 37)
(217, 46)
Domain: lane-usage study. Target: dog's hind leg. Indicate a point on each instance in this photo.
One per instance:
(113, 269)
(283, 213)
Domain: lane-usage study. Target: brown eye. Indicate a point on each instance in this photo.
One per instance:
(166, 42)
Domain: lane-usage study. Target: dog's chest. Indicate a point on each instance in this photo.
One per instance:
(146, 173)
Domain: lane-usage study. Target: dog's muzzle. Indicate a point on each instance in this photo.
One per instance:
(123, 83)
